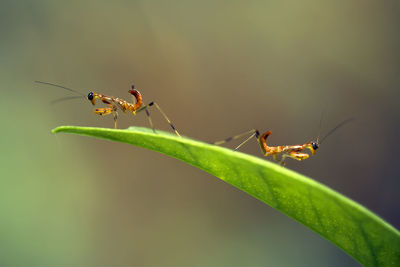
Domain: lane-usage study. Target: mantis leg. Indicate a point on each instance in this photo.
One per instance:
(145, 108)
(294, 155)
(253, 133)
(105, 111)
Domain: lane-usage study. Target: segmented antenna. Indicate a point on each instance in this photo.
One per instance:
(337, 127)
(61, 99)
(320, 125)
(60, 86)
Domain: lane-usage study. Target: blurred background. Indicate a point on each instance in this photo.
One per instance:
(217, 68)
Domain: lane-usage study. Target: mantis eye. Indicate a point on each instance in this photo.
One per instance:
(314, 145)
(90, 96)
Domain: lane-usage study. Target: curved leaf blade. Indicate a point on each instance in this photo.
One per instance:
(347, 224)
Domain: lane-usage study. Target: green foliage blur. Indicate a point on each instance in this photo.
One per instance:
(217, 68)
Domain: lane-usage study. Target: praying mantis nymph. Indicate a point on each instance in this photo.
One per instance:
(114, 104)
(287, 151)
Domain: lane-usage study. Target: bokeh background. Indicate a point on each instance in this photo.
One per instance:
(217, 68)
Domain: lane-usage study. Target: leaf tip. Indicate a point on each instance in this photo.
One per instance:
(59, 129)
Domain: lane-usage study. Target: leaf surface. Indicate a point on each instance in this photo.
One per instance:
(347, 224)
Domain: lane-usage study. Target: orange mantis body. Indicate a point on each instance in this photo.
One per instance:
(115, 103)
(289, 151)
(292, 151)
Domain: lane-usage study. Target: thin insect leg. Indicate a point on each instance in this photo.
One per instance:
(112, 109)
(253, 131)
(145, 108)
(283, 158)
(115, 113)
(162, 113)
(149, 118)
(245, 141)
(294, 155)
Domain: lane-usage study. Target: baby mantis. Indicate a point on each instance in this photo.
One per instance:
(115, 103)
(288, 151)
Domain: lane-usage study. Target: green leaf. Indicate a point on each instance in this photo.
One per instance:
(347, 224)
